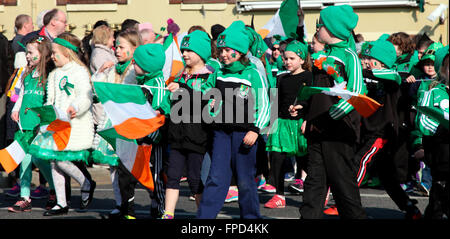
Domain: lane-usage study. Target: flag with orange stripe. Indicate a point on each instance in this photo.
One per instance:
(136, 158)
(131, 115)
(174, 60)
(57, 122)
(12, 156)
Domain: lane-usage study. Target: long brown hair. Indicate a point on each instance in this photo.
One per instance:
(45, 65)
(131, 36)
(403, 41)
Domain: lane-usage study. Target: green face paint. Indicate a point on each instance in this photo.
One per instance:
(117, 42)
(128, 53)
(35, 58)
(233, 54)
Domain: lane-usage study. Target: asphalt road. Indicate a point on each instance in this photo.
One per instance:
(377, 203)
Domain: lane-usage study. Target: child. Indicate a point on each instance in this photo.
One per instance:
(235, 134)
(435, 138)
(68, 89)
(103, 41)
(123, 72)
(286, 138)
(32, 95)
(149, 61)
(380, 132)
(332, 126)
(188, 139)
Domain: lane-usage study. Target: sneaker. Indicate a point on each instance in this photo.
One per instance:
(39, 193)
(192, 198)
(289, 177)
(408, 187)
(129, 217)
(21, 206)
(296, 187)
(260, 182)
(327, 198)
(51, 201)
(412, 212)
(232, 196)
(167, 215)
(424, 189)
(276, 201)
(331, 211)
(183, 179)
(14, 191)
(268, 188)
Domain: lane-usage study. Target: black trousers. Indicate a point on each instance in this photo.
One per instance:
(176, 163)
(277, 170)
(331, 163)
(437, 156)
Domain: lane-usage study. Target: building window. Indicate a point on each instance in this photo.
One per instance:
(200, 1)
(8, 2)
(65, 2)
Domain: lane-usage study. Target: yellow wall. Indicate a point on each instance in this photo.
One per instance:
(373, 22)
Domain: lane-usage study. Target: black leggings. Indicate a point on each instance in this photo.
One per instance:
(177, 160)
(277, 166)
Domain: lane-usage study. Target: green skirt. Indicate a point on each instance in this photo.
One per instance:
(44, 147)
(103, 152)
(286, 137)
(25, 137)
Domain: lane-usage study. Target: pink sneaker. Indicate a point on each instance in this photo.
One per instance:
(276, 201)
(268, 188)
(233, 195)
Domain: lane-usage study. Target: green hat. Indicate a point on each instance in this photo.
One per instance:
(298, 48)
(431, 51)
(235, 37)
(383, 51)
(150, 57)
(440, 55)
(384, 37)
(257, 45)
(198, 42)
(339, 20)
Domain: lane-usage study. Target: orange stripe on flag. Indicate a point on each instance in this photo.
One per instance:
(364, 105)
(141, 168)
(134, 128)
(8, 163)
(177, 67)
(263, 33)
(62, 131)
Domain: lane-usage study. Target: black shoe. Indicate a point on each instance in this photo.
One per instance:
(56, 212)
(85, 203)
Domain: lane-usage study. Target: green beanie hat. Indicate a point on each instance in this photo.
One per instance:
(150, 57)
(431, 51)
(257, 45)
(235, 37)
(383, 51)
(198, 42)
(339, 20)
(440, 55)
(298, 48)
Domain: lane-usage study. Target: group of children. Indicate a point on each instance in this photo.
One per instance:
(231, 75)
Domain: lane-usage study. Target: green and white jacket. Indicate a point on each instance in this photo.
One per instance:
(436, 97)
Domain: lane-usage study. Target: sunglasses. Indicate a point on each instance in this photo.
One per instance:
(275, 49)
(429, 52)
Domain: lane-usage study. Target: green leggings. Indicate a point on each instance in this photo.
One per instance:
(26, 174)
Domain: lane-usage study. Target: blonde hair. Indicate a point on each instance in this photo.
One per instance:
(101, 35)
(72, 55)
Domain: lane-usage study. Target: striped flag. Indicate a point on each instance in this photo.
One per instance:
(435, 113)
(364, 105)
(174, 61)
(284, 22)
(131, 115)
(55, 121)
(136, 158)
(12, 156)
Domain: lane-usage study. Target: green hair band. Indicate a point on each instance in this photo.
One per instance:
(66, 44)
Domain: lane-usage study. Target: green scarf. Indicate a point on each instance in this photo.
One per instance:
(233, 67)
(142, 79)
(121, 67)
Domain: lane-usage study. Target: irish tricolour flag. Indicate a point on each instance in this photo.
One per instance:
(55, 121)
(174, 62)
(131, 115)
(284, 22)
(136, 158)
(12, 156)
(364, 105)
